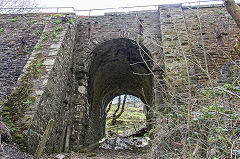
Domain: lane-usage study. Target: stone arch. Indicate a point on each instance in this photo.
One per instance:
(90, 44)
(115, 67)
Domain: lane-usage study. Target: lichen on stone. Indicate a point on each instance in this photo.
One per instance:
(21, 98)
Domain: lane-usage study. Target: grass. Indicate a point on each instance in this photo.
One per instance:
(131, 118)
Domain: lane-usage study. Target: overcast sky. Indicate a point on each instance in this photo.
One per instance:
(90, 4)
(95, 4)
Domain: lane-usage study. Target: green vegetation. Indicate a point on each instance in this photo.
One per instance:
(211, 21)
(28, 102)
(20, 100)
(37, 47)
(19, 136)
(91, 155)
(39, 32)
(131, 118)
(33, 21)
(59, 28)
(55, 40)
(39, 64)
(58, 21)
(58, 15)
(53, 34)
(1, 29)
(13, 20)
(45, 37)
(70, 21)
(221, 12)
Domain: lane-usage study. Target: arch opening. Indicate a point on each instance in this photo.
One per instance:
(119, 66)
(125, 117)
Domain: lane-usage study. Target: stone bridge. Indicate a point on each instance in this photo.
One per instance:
(68, 68)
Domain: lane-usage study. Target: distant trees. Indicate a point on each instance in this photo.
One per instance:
(21, 6)
(133, 100)
(115, 116)
(121, 102)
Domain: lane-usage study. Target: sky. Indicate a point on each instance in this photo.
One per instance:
(90, 4)
(96, 4)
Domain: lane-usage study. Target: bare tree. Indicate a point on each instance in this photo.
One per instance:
(115, 115)
(234, 10)
(17, 6)
(109, 106)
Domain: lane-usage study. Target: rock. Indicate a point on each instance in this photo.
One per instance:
(142, 142)
(121, 143)
(11, 151)
(5, 132)
(60, 156)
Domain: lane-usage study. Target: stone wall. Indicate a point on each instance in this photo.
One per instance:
(96, 35)
(80, 63)
(44, 88)
(18, 36)
(176, 51)
(56, 87)
(188, 33)
(214, 31)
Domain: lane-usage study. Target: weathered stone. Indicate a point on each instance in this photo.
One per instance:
(82, 89)
(83, 69)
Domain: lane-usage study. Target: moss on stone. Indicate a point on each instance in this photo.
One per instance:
(91, 155)
(5, 108)
(20, 100)
(19, 136)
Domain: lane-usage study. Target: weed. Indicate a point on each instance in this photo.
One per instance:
(59, 28)
(28, 102)
(39, 64)
(33, 21)
(27, 50)
(45, 37)
(70, 21)
(58, 21)
(37, 47)
(1, 29)
(39, 32)
(55, 40)
(19, 136)
(211, 21)
(13, 20)
(221, 12)
(58, 15)
(53, 34)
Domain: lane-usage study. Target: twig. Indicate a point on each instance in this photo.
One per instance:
(1, 143)
(44, 139)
